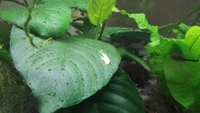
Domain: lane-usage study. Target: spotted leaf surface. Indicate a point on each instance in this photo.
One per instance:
(81, 4)
(65, 71)
(120, 95)
(49, 19)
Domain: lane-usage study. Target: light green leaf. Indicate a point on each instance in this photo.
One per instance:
(178, 74)
(162, 64)
(65, 71)
(49, 19)
(181, 30)
(157, 60)
(192, 41)
(159, 48)
(99, 10)
(119, 96)
(160, 51)
(142, 23)
(182, 78)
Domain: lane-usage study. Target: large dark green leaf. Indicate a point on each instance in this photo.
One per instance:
(99, 10)
(123, 35)
(130, 37)
(119, 96)
(49, 19)
(65, 71)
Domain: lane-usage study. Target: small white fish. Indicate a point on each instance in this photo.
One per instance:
(104, 57)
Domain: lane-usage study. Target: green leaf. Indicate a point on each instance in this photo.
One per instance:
(81, 4)
(119, 96)
(157, 60)
(192, 41)
(118, 34)
(124, 52)
(110, 33)
(99, 10)
(181, 30)
(142, 23)
(160, 51)
(182, 78)
(49, 19)
(89, 30)
(177, 73)
(65, 71)
(195, 107)
(129, 37)
(158, 47)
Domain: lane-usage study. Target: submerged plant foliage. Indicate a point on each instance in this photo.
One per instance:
(81, 72)
(175, 62)
(66, 69)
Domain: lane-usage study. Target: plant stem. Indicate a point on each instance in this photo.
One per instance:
(26, 29)
(183, 18)
(126, 53)
(164, 26)
(102, 29)
(97, 32)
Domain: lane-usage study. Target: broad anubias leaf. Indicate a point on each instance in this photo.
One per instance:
(119, 96)
(65, 71)
(182, 79)
(99, 10)
(49, 19)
